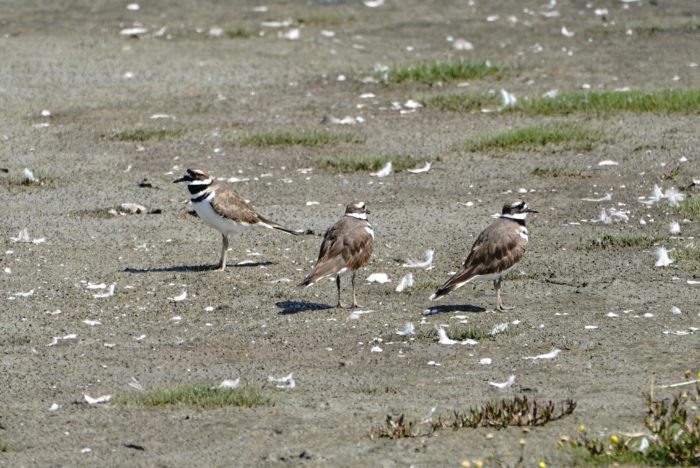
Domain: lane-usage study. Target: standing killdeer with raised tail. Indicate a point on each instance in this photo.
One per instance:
(223, 209)
(347, 245)
(497, 249)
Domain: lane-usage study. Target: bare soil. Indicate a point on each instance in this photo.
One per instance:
(250, 321)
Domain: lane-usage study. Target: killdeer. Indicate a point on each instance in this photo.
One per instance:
(347, 245)
(223, 209)
(497, 249)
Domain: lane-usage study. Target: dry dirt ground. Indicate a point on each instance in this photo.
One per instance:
(249, 322)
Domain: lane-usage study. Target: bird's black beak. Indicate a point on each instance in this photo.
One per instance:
(182, 179)
(368, 212)
(528, 210)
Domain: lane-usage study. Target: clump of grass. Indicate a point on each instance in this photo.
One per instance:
(6, 448)
(674, 439)
(325, 19)
(688, 254)
(690, 208)
(368, 162)
(518, 411)
(449, 70)
(556, 172)
(573, 137)
(612, 241)
(301, 137)
(147, 133)
(462, 102)
(465, 332)
(238, 33)
(200, 396)
(670, 101)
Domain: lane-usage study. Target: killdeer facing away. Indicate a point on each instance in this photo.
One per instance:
(497, 249)
(223, 209)
(347, 245)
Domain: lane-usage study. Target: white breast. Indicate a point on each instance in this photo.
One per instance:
(224, 225)
(522, 232)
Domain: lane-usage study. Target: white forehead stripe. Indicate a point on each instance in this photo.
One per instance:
(200, 182)
(359, 205)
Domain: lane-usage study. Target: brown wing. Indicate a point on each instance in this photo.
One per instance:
(497, 248)
(229, 204)
(346, 244)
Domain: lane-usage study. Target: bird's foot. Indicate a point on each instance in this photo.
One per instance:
(220, 267)
(340, 305)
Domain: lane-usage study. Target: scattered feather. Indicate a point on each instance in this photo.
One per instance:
(408, 329)
(675, 310)
(245, 262)
(566, 33)
(373, 3)
(132, 208)
(427, 264)
(692, 282)
(507, 99)
(503, 385)
(485, 361)
(607, 197)
(376, 349)
(406, 282)
(92, 323)
(133, 32)
(108, 293)
(293, 34)
(674, 228)
(608, 162)
(25, 294)
(23, 236)
(28, 175)
(443, 339)
(135, 384)
(355, 315)
(286, 382)
(433, 363)
(383, 172)
(417, 170)
(462, 44)
(591, 327)
(499, 328)
(674, 197)
(180, 297)
(380, 278)
(662, 259)
(94, 401)
(54, 407)
(550, 355)
(230, 383)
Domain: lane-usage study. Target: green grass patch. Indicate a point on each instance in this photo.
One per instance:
(322, 19)
(555, 172)
(622, 241)
(670, 101)
(300, 137)
(465, 332)
(5, 448)
(689, 254)
(462, 102)
(690, 208)
(147, 133)
(568, 136)
(201, 396)
(368, 162)
(238, 33)
(449, 70)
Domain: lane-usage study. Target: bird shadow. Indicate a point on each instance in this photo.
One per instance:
(192, 268)
(444, 309)
(294, 307)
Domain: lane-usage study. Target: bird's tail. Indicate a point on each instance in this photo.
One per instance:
(457, 281)
(272, 225)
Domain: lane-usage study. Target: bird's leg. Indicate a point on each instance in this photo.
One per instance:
(354, 299)
(339, 305)
(224, 248)
(499, 302)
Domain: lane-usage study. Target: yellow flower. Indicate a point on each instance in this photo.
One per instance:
(466, 464)
(522, 441)
(581, 428)
(478, 464)
(542, 464)
(614, 440)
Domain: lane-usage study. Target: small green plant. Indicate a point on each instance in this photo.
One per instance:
(674, 437)
(434, 71)
(238, 33)
(690, 208)
(463, 102)
(518, 411)
(146, 134)
(301, 137)
(6, 448)
(689, 254)
(326, 20)
(557, 172)
(465, 332)
(612, 241)
(572, 137)
(368, 162)
(200, 396)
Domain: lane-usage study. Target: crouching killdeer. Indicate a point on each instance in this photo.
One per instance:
(347, 245)
(223, 209)
(497, 249)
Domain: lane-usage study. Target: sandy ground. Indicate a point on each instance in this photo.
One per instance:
(250, 322)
